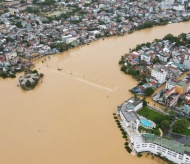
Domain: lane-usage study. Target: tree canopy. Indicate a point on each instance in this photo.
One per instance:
(165, 125)
(180, 125)
(149, 91)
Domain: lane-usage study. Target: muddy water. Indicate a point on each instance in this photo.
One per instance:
(68, 117)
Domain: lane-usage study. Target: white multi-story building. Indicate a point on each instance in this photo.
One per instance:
(170, 149)
(127, 112)
(159, 74)
(130, 119)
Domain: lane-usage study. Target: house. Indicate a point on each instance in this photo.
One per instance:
(70, 40)
(163, 57)
(160, 74)
(171, 83)
(181, 87)
(186, 109)
(64, 38)
(176, 65)
(10, 55)
(15, 8)
(145, 57)
(186, 63)
(187, 99)
(172, 99)
(173, 72)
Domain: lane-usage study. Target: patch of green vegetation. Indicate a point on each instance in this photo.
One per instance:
(180, 126)
(128, 149)
(151, 131)
(186, 132)
(150, 114)
(139, 155)
(149, 91)
(162, 121)
(168, 138)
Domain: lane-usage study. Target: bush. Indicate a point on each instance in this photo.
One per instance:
(12, 75)
(149, 91)
(35, 71)
(128, 149)
(180, 125)
(41, 75)
(3, 74)
(139, 155)
(124, 133)
(126, 143)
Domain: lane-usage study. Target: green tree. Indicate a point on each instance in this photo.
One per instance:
(149, 91)
(18, 24)
(123, 68)
(35, 71)
(3, 74)
(173, 39)
(165, 125)
(144, 102)
(156, 60)
(180, 125)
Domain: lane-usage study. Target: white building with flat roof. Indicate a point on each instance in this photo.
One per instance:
(159, 74)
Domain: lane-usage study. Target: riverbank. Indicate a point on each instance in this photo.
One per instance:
(69, 118)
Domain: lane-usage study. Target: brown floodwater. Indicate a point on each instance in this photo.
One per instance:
(68, 117)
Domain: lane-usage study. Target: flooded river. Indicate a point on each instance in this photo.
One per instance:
(68, 118)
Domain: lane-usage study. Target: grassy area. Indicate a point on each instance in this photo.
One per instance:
(186, 132)
(149, 114)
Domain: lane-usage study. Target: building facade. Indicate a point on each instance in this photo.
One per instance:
(159, 74)
(169, 149)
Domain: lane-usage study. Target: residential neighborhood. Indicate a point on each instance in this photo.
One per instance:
(154, 64)
(32, 29)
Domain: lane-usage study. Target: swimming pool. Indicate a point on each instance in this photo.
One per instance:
(146, 122)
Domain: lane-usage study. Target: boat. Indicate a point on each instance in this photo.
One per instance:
(59, 69)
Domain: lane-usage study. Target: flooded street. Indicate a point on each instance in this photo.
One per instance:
(68, 118)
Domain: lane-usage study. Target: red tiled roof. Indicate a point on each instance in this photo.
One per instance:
(168, 92)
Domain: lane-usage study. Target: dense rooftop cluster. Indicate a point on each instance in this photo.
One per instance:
(153, 64)
(37, 28)
(79, 22)
(159, 62)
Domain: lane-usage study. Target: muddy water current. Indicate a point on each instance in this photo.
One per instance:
(68, 118)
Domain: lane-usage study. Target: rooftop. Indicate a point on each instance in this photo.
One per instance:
(169, 144)
(131, 104)
(129, 116)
